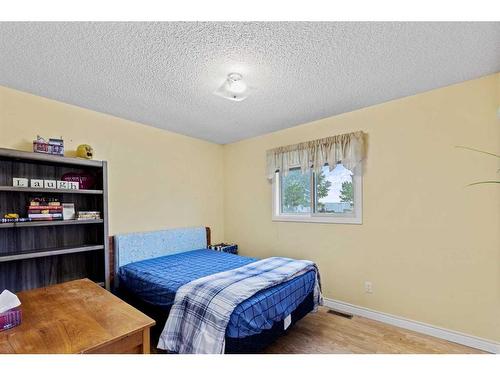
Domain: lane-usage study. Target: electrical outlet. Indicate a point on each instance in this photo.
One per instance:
(368, 287)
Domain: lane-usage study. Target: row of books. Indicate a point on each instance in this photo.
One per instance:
(48, 209)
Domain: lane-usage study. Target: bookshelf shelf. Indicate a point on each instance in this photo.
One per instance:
(40, 253)
(49, 223)
(48, 159)
(52, 191)
(47, 253)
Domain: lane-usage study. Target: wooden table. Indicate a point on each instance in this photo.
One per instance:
(76, 317)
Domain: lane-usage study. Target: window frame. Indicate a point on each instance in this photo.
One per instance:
(356, 217)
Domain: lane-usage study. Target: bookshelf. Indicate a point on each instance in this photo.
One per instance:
(40, 253)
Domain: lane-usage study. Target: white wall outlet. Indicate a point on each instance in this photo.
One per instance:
(49, 184)
(20, 182)
(368, 287)
(36, 183)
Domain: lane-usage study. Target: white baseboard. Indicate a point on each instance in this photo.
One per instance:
(412, 325)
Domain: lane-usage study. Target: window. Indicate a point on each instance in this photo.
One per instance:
(324, 197)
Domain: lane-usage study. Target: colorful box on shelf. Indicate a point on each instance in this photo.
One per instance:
(52, 146)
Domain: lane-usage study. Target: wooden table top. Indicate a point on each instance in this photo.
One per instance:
(71, 317)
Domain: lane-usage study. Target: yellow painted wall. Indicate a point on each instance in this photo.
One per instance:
(429, 244)
(186, 174)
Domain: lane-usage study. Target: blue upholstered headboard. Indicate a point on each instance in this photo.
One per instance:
(133, 247)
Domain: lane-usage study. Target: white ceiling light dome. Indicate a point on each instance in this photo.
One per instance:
(234, 88)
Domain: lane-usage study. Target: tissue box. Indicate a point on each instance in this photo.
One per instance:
(10, 318)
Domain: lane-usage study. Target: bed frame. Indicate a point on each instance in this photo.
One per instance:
(250, 344)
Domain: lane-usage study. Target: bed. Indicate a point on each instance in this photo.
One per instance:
(150, 268)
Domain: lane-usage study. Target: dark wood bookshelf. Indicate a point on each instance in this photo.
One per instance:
(39, 253)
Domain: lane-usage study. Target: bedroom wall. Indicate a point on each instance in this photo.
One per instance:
(185, 174)
(429, 244)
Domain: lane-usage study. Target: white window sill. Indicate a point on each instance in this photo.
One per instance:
(319, 219)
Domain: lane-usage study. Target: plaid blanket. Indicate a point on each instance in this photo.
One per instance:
(198, 319)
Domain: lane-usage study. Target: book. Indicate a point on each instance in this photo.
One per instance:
(46, 219)
(44, 211)
(42, 216)
(44, 202)
(45, 207)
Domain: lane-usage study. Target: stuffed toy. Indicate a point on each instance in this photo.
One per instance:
(85, 152)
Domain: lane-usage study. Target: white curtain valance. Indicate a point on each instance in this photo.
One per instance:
(347, 149)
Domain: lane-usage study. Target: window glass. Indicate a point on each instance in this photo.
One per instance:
(296, 192)
(334, 193)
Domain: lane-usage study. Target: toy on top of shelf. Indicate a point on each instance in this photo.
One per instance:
(85, 152)
(52, 146)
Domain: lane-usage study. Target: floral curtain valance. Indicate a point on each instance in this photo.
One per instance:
(347, 149)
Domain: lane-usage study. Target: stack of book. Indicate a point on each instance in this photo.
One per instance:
(39, 210)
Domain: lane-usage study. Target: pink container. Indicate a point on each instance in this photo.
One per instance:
(10, 318)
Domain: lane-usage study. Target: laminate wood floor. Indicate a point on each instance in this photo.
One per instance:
(327, 333)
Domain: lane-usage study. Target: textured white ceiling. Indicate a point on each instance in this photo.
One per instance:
(164, 74)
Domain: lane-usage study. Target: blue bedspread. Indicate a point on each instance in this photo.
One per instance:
(156, 281)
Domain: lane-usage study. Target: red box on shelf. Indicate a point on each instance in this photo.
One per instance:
(10, 318)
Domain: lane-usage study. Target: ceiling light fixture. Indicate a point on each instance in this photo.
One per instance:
(233, 88)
